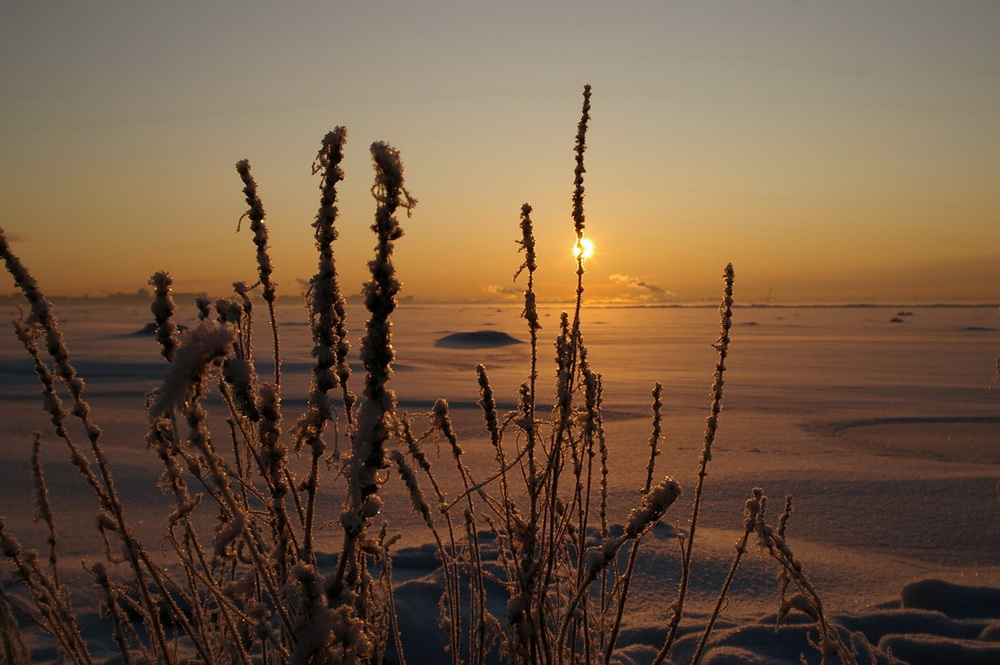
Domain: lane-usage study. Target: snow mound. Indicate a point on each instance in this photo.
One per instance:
(933, 622)
(480, 339)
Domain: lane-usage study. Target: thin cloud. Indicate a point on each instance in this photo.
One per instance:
(646, 291)
(503, 291)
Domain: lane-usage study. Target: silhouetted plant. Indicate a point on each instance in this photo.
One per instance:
(249, 588)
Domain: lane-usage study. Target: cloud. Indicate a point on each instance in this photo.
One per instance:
(503, 291)
(647, 291)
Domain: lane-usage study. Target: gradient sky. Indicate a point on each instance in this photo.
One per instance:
(844, 150)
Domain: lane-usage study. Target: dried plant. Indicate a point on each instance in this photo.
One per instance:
(249, 587)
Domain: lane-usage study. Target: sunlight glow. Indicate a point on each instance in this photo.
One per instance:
(583, 248)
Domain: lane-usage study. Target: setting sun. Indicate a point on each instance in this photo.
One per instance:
(583, 248)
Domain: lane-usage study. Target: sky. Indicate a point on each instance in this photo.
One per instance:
(835, 151)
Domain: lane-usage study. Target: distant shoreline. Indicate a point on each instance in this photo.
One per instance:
(145, 299)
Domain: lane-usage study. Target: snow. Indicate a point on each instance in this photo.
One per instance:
(886, 434)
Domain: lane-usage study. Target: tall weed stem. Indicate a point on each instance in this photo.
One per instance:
(264, 266)
(711, 428)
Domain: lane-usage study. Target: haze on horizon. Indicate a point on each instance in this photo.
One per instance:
(833, 152)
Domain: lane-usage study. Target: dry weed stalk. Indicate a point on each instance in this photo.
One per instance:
(249, 589)
(830, 643)
(256, 214)
(711, 428)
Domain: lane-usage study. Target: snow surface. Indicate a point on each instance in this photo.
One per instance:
(884, 431)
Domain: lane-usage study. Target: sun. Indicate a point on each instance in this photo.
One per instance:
(583, 249)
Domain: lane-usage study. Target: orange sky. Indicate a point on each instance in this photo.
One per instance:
(843, 152)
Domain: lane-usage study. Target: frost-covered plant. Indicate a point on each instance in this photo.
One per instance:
(248, 588)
